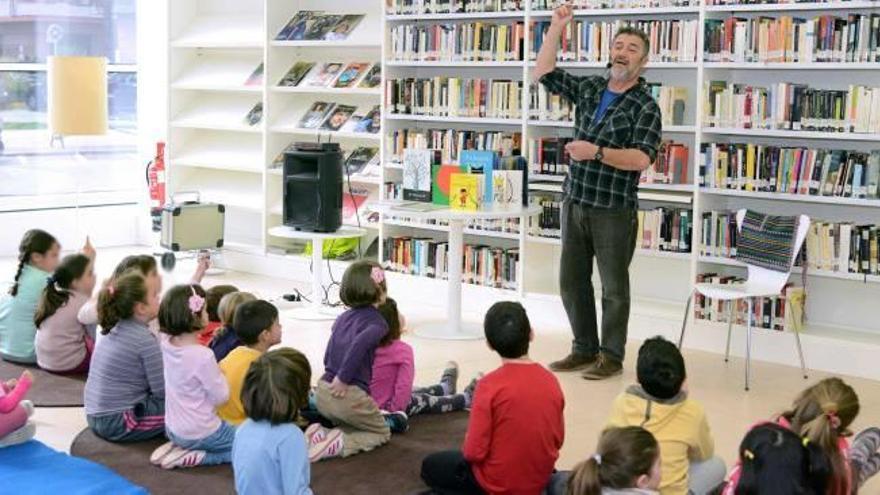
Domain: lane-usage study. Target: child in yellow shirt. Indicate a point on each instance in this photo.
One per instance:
(256, 325)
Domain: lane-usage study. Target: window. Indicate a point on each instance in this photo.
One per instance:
(30, 164)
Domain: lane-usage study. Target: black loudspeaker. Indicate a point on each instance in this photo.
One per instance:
(313, 187)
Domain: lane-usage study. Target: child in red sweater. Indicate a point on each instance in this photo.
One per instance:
(516, 427)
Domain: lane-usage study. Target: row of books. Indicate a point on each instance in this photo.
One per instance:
(545, 105)
(455, 97)
(489, 225)
(763, 2)
(451, 142)
(482, 265)
(548, 223)
(459, 42)
(316, 25)
(333, 75)
(610, 4)
(855, 38)
(792, 170)
(416, 7)
(792, 106)
(331, 116)
(671, 40)
(782, 313)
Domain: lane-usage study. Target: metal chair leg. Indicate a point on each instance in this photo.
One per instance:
(749, 344)
(797, 339)
(729, 330)
(687, 309)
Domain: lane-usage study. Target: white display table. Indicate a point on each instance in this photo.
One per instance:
(453, 328)
(316, 309)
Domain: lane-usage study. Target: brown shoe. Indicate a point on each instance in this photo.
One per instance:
(604, 367)
(573, 362)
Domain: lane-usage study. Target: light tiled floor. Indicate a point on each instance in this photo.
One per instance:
(718, 385)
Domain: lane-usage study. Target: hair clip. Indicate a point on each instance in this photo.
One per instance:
(598, 459)
(196, 302)
(377, 274)
(833, 418)
(748, 454)
(805, 441)
(111, 290)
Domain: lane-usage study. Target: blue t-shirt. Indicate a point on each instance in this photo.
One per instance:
(270, 460)
(608, 98)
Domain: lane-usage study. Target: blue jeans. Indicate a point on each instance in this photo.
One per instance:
(217, 445)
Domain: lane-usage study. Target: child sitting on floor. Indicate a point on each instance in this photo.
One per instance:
(256, 324)
(215, 294)
(343, 393)
(626, 462)
(269, 454)
(393, 371)
(194, 386)
(64, 344)
(660, 404)
(37, 259)
(516, 426)
(125, 390)
(225, 339)
(15, 411)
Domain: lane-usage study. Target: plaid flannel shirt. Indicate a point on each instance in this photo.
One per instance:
(632, 121)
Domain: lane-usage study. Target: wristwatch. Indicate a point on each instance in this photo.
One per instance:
(599, 155)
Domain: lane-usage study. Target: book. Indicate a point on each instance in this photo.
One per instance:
(338, 117)
(321, 26)
(351, 74)
(455, 97)
(353, 124)
(343, 27)
(359, 158)
(297, 26)
(256, 77)
(416, 7)
(520, 164)
(322, 76)
(480, 162)
(373, 77)
(372, 121)
(417, 174)
(352, 201)
(316, 115)
(467, 41)
(466, 191)
(441, 176)
(255, 115)
(452, 141)
(507, 187)
(296, 74)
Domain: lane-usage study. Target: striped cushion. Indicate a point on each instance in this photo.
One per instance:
(767, 241)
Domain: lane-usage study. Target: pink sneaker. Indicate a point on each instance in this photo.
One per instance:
(179, 457)
(315, 433)
(330, 446)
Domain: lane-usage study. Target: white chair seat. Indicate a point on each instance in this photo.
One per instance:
(729, 292)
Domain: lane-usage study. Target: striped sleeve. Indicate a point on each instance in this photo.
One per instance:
(151, 357)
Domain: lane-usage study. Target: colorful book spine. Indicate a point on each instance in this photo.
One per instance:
(454, 97)
(417, 7)
(610, 4)
(460, 42)
(779, 313)
(451, 142)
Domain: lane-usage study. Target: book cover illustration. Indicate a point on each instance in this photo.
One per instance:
(359, 158)
(441, 176)
(466, 191)
(316, 115)
(372, 121)
(373, 78)
(338, 117)
(323, 75)
(352, 201)
(343, 27)
(507, 187)
(255, 115)
(321, 26)
(352, 124)
(298, 25)
(296, 74)
(520, 164)
(256, 77)
(417, 174)
(480, 162)
(351, 74)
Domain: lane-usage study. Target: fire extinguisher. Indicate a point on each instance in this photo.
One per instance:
(156, 185)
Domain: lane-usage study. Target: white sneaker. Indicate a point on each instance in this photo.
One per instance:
(330, 446)
(28, 407)
(179, 457)
(315, 433)
(160, 453)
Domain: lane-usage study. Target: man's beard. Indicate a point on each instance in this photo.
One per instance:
(620, 73)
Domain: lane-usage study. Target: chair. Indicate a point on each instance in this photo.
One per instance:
(761, 282)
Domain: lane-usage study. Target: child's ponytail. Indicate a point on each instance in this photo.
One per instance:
(34, 241)
(622, 457)
(117, 300)
(57, 291)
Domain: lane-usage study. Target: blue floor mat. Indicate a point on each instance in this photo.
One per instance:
(33, 467)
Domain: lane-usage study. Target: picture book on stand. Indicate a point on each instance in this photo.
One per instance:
(417, 164)
(480, 162)
(296, 74)
(298, 25)
(255, 115)
(359, 158)
(322, 25)
(343, 27)
(373, 78)
(353, 124)
(441, 177)
(350, 76)
(322, 76)
(338, 117)
(316, 115)
(466, 191)
(372, 122)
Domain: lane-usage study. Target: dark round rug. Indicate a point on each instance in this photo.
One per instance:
(48, 390)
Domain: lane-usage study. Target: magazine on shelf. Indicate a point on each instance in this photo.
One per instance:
(323, 76)
(296, 74)
(316, 115)
(322, 26)
(256, 77)
(255, 115)
(298, 25)
(373, 78)
(338, 117)
(351, 74)
(359, 158)
(353, 123)
(372, 121)
(343, 27)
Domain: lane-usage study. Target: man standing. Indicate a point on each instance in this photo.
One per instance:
(617, 134)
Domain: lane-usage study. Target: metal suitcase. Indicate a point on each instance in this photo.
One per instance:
(192, 225)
